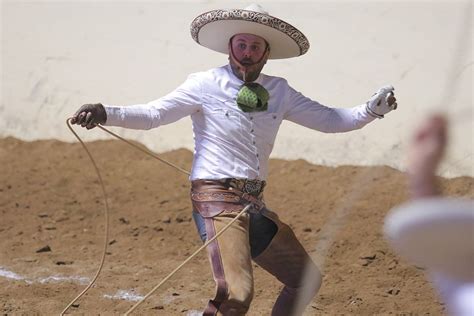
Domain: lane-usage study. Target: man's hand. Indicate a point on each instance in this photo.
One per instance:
(90, 115)
(382, 102)
(426, 150)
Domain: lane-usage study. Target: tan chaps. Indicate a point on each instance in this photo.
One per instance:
(231, 256)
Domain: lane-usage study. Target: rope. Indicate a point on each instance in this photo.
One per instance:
(146, 151)
(106, 212)
(188, 259)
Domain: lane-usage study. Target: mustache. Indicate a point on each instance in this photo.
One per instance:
(247, 62)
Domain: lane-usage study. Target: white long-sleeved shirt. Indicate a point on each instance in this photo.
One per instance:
(230, 143)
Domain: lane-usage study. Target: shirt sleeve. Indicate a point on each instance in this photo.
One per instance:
(311, 114)
(183, 101)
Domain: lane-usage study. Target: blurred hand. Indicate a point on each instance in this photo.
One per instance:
(425, 153)
(382, 102)
(90, 115)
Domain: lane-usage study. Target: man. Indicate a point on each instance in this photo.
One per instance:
(236, 112)
(432, 231)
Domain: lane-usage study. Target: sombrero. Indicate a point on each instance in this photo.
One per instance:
(435, 233)
(213, 30)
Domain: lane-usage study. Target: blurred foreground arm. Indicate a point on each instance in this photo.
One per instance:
(90, 115)
(426, 150)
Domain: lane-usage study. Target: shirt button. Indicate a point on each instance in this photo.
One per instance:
(257, 155)
(258, 168)
(253, 142)
(251, 117)
(274, 117)
(251, 131)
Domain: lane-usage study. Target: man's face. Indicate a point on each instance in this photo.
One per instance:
(247, 55)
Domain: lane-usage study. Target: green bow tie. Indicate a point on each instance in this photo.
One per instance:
(252, 97)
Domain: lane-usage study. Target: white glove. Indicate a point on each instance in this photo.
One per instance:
(382, 102)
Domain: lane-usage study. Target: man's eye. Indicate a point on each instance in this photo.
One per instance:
(255, 48)
(242, 46)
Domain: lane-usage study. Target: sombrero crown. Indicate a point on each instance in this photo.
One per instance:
(213, 30)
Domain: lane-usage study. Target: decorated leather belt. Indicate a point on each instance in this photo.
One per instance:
(228, 190)
(251, 186)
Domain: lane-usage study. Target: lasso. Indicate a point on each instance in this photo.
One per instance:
(106, 216)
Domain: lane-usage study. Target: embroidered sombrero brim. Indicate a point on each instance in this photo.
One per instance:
(213, 30)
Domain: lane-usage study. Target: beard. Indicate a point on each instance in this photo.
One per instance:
(246, 70)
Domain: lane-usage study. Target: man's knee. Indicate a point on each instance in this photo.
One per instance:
(237, 303)
(239, 297)
(234, 307)
(231, 306)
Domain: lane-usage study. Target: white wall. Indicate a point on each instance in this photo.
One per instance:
(58, 55)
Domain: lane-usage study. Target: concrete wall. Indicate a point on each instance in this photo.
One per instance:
(58, 55)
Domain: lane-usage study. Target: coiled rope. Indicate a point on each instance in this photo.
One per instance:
(106, 216)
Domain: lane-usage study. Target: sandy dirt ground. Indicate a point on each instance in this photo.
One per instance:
(50, 199)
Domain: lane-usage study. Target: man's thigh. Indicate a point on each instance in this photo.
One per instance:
(261, 232)
(230, 259)
(284, 256)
